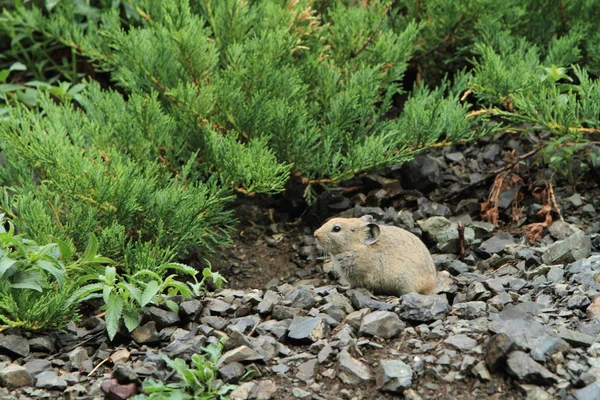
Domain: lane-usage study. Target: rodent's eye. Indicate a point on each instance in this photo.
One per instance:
(336, 228)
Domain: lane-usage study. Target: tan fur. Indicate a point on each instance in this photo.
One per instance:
(397, 263)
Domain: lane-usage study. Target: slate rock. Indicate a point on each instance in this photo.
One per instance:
(273, 327)
(146, 334)
(361, 298)
(575, 247)
(497, 243)
(423, 308)
(393, 376)
(421, 173)
(219, 307)
(458, 267)
(184, 348)
(301, 297)
(308, 329)
(113, 390)
(124, 374)
(162, 317)
(470, 309)
(574, 338)
(339, 300)
(240, 354)
(383, 324)
(496, 351)
(307, 370)
(561, 230)
(214, 321)
(269, 300)
(38, 365)
(548, 345)
(189, 310)
(77, 356)
(14, 376)
(481, 372)
(575, 200)
(14, 345)
(50, 380)
(283, 312)
(43, 344)
(445, 233)
(352, 371)
(527, 370)
(523, 332)
(590, 392)
(461, 342)
(232, 372)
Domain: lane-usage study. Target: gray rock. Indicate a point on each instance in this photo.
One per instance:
(574, 338)
(524, 331)
(308, 329)
(300, 393)
(324, 353)
(14, 376)
(114, 390)
(146, 334)
(561, 230)
(184, 348)
(445, 233)
(273, 327)
(162, 317)
(189, 310)
(547, 345)
(49, 380)
(14, 345)
(232, 372)
(355, 318)
(352, 371)
(590, 392)
(243, 324)
(38, 365)
(383, 324)
(575, 247)
(219, 307)
(435, 209)
(43, 344)
(269, 300)
(575, 200)
(470, 309)
(458, 267)
(525, 369)
(497, 243)
(461, 342)
(266, 346)
(361, 298)
(482, 229)
(214, 321)
(421, 173)
(307, 370)
(578, 301)
(393, 376)
(124, 374)
(339, 300)
(423, 308)
(240, 354)
(481, 372)
(77, 356)
(333, 311)
(496, 351)
(283, 312)
(301, 297)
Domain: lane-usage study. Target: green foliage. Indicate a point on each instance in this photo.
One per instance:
(127, 296)
(35, 283)
(197, 381)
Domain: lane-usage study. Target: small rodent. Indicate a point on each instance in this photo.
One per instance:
(384, 259)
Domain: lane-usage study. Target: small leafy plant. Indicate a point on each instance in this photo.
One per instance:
(126, 296)
(197, 381)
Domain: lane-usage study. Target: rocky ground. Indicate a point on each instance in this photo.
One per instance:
(517, 313)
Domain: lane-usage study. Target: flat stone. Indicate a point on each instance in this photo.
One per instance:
(38, 365)
(120, 356)
(574, 338)
(339, 300)
(523, 332)
(470, 309)
(383, 324)
(14, 376)
(308, 329)
(14, 345)
(352, 371)
(240, 354)
(300, 393)
(273, 327)
(561, 230)
(393, 376)
(575, 247)
(114, 390)
(49, 380)
(423, 308)
(590, 392)
(524, 368)
(283, 312)
(219, 307)
(269, 300)
(232, 372)
(497, 243)
(162, 317)
(461, 342)
(548, 345)
(43, 344)
(219, 323)
(361, 299)
(189, 310)
(496, 351)
(481, 372)
(266, 346)
(146, 334)
(124, 374)
(77, 356)
(184, 348)
(307, 370)
(324, 353)
(301, 297)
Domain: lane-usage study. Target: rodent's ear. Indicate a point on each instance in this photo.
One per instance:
(367, 218)
(372, 231)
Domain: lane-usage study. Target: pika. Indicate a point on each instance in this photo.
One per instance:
(384, 259)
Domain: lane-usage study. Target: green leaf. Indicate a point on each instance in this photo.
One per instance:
(51, 267)
(110, 276)
(17, 66)
(84, 292)
(30, 280)
(66, 251)
(180, 267)
(150, 291)
(131, 318)
(5, 263)
(114, 310)
(4, 75)
(171, 305)
(134, 291)
(92, 248)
